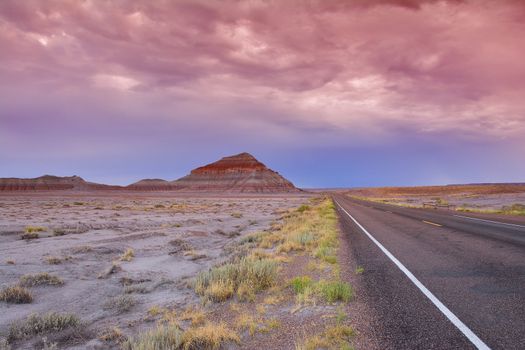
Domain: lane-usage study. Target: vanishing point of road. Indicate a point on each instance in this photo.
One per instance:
(439, 279)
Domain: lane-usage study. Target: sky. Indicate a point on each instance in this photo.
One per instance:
(328, 93)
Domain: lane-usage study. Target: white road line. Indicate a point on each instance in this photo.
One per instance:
(494, 222)
(474, 339)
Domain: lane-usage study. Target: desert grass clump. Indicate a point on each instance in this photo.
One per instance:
(273, 323)
(514, 209)
(334, 337)
(246, 322)
(333, 291)
(128, 255)
(53, 260)
(326, 253)
(196, 316)
(208, 336)
(120, 304)
(165, 337)
(219, 290)
(303, 208)
(300, 283)
(154, 311)
(32, 229)
(58, 232)
(113, 268)
(29, 235)
(40, 279)
(253, 238)
(273, 299)
(245, 292)
(16, 295)
(220, 283)
(303, 239)
(313, 230)
(42, 324)
(83, 249)
(4, 345)
(113, 334)
(141, 288)
(270, 240)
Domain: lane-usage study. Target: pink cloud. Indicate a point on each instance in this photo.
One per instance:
(352, 66)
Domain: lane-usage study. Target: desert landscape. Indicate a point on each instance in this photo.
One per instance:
(88, 266)
(483, 198)
(134, 250)
(252, 174)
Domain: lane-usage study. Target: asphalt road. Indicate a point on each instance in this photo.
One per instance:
(474, 265)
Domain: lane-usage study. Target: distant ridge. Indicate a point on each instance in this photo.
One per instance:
(51, 183)
(475, 189)
(240, 173)
(151, 185)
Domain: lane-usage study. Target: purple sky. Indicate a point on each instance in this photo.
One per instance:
(328, 93)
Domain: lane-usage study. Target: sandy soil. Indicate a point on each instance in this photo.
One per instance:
(172, 239)
(468, 199)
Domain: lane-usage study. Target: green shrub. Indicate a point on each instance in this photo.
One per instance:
(335, 291)
(300, 283)
(304, 238)
(326, 253)
(225, 280)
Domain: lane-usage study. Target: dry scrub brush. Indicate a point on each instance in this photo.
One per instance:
(40, 279)
(16, 295)
(42, 324)
(220, 283)
(171, 337)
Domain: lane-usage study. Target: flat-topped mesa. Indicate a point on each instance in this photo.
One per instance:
(151, 185)
(50, 183)
(46, 182)
(241, 173)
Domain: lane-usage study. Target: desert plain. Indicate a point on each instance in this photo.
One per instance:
(119, 255)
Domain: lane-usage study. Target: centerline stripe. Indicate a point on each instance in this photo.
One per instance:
(474, 339)
(431, 223)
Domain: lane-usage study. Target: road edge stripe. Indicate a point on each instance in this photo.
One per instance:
(485, 220)
(463, 328)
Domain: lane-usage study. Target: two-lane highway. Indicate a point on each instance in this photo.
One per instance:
(439, 280)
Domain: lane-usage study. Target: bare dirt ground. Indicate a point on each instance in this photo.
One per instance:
(489, 198)
(84, 240)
